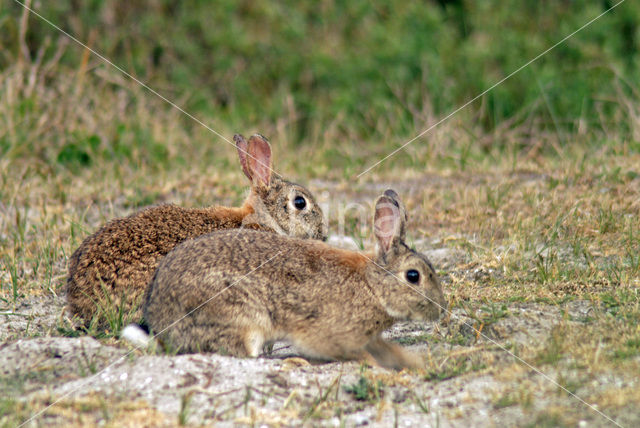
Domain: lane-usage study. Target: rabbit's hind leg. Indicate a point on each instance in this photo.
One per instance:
(235, 340)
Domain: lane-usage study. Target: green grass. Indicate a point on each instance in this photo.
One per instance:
(323, 398)
(366, 390)
(111, 316)
(630, 349)
(12, 412)
(518, 397)
(550, 419)
(356, 72)
(183, 415)
(454, 367)
(487, 314)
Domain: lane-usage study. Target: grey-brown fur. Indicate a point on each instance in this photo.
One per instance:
(232, 292)
(118, 261)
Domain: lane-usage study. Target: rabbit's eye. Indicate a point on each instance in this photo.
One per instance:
(299, 202)
(413, 276)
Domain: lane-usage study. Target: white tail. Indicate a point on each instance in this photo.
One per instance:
(136, 336)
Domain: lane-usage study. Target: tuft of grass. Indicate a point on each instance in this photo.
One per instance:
(111, 316)
(630, 349)
(183, 414)
(13, 412)
(424, 407)
(554, 348)
(323, 400)
(546, 266)
(522, 396)
(90, 366)
(550, 419)
(419, 338)
(621, 304)
(456, 365)
(366, 390)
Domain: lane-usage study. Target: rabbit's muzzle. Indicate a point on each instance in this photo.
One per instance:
(430, 309)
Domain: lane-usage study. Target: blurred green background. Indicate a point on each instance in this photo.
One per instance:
(355, 70)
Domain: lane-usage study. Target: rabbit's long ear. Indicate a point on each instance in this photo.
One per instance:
(403, 212)
(243, 148)
(259, 160)
(389, 224)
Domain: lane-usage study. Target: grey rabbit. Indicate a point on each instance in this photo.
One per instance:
(234, 292)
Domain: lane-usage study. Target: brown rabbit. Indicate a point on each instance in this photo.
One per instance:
(234, 292)
(116, 263)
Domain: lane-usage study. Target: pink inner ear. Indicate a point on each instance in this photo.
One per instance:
(242, 146)
(385, 222)
(260, 159)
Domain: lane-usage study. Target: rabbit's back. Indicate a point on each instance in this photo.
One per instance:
(274, 283)
(120, 258)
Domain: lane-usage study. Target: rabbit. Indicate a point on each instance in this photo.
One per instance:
(235, 292)
(116, 263)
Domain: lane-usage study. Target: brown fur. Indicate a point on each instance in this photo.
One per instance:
(232, 292)
(348, 258)
(117, 262)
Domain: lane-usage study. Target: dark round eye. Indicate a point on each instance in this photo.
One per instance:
(299, 202)
(413, 276)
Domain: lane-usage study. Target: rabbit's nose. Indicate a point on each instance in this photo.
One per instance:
(321, 235)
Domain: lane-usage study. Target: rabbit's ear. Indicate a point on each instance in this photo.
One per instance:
(403, 212)
(388, 223)
(259, 160)
(242, 146)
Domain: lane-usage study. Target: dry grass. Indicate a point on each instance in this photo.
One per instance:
(89, 411)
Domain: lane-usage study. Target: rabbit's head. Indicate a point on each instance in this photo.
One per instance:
(407, 281)
(286, 208)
